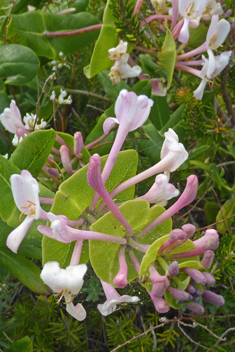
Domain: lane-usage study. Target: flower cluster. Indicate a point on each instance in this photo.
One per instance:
(168, 263)
(61, 99)
(121, 68)
(11, 120)
(182, 14)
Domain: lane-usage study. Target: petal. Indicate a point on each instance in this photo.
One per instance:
(222, 29)
(109, 123)
(184, 33)
(11, 118)
(75, 277)
(198, 93)
(16, 236)
(211, 64)
(78, 311)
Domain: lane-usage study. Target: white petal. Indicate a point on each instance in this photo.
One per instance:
(109, 123)
(16, 236)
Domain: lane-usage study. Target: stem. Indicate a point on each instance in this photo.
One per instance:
(72, 33)
(191, 70)
(43, 200)
(194, 52)
(76, 253)
(88, 94)
(92, 235)
(92, 144)
(155, 17)
(135, 262)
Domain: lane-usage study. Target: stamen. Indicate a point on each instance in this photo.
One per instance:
(32, 211)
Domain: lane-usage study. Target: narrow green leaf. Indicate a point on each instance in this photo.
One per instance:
(167, 56)
(24, 270)
(226, 210)
(18, 64)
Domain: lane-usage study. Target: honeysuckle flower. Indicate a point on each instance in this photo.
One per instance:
(120, 279)
(113, 299)
(186, 198)
(117, 52)
(207, 259)
(65, 159)
(131, 112)
(212, 8)
(195, 307)
(122, 70)
(196, 275)
(173, 154)
(67, 282)
(160, 6)
(159, 282)
(60, 231)
(11, 118)
(17, 139)
(94, 180)
(210, 280)
(160, 304)
(211, 69)
(173, 269)
(78, 144)
(53, 95)
(25, 192)
(161, 191)
(213, 298)
(29, 121)
(158, 87)
(179, 294)
(190, 10)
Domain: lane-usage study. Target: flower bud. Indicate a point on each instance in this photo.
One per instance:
(195, 307)
(160, 283)
(179, 294)
(209, 241)
(189, 229)
(213, 298)
(196, 275)
(173, 269)
(210, 280)
(65, 158)
(160, 304)
(207, 259)
(78, 144)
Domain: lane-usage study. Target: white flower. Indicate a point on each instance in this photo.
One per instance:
(122, 70)
(61, 54)
(117, 52)
(212, 8)
(190, 10)
(11, 118)
(160, 6)
(25, 192)
(53, 95)
(113, 299)
(67, 282)
(17, 140)
(210, 70)
(5, 156)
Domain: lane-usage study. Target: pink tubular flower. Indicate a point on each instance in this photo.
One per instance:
(25, 192)
(190, 10)
(179, 294)
(207, 259)
(11, 119)
(160, 304)
(66, 282)
(158, 87)
(213, 298)
(120, 279)
(159, 282)
(78, 144)
(161, 191)
(113, 298)
(65, 158)
(195, 307)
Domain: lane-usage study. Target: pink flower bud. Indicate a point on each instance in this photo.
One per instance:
(209, 241)
(78, 144)
(196, 275)
(213, 298)
(191, 289)
(160, 304)
(179, 294)
(120, 279)
(65, 158)
(210, 280)
(160, 283)
(195, 307)
(207, 259)
(176, 236)
(189, 229)
(173, 269)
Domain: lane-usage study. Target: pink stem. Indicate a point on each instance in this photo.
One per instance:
(194, 52)
(191, 70)
(72, 33)
(155, 17)
(76, 253)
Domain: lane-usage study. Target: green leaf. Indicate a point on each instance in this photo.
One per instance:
(107, 39)
(167, 56)
(211, 210)
(23, 345)
(226, 210)
(18, 64)
(197, 36)
(24, 270)
(28, 29)
(5, 230)
(104, 255)
(7, 204)
(174, 120)
(112, 91)
(32, 152)
(75, 195)
(151, 147)
(160, 112)
(152, 257)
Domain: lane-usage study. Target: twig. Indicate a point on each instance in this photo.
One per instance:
(191, 340)
(8, 20)
(40, 97)
(8, 140)
(224, 333)
(73, 33)
(88, 94)
(217, 222)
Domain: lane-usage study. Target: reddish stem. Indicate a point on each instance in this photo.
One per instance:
(72, 33)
